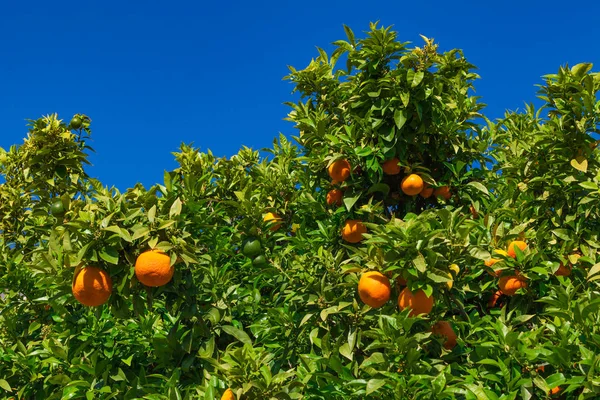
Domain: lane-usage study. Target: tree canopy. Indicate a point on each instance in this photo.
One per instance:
(394, 168)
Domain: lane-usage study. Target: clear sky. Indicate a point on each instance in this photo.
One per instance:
(154, 74)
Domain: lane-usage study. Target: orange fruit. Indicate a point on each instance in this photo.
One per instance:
(554, 390)
(353, 231)
(563, 271)
(340, 170)
(443, 192)
(334, 197)
(391, 167)
(541, 368)
(511, 248)
(492, 261)
(427, 191)
(510, 284)
(443, 328)
(494, 299)
(474, 212)
(153, 268)
(228, 395)
(270, 218)
(412, 185)
(418, 302)
(92, 286)
(374, 289)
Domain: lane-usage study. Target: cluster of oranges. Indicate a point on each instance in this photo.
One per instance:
(411, 185)
(92, 286)
(508, 285)
(374, 288)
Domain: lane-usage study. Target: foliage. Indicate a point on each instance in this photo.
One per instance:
(291, 325)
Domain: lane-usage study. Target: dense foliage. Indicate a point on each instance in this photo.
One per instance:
(269, 307)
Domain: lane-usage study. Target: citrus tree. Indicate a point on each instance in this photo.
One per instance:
(401, 249)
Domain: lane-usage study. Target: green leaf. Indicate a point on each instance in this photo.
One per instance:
(346, 351)
(152, 213)
(114, 229)
(417, 78)
(479, 252)
(237, 333)
(363, 151)
(350, 201)
(4, 385)
(374, 384)
(400, 117)
(589, 185)
(479, 187)
(110, 255)
(120, 376)
(165, 224)
(580, 163)
(593, 271)
(175, 208)
(405, 97)
(349, 35)
(140, 232)
(375, 358)
(581, 69)
(420, 263)
(35, 325)
(562, 234)
(379, 187)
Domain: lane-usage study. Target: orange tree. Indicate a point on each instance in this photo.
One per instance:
(403, 250)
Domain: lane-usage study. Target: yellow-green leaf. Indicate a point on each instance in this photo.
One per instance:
(580, 163)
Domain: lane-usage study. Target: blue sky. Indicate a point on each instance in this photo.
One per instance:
(154, 74)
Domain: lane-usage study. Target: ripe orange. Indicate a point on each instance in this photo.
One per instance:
(340, 170)
(271, 218)
(412, 185)
(374, 289)
(563, 270)
(353, 231)
(427, 191)
(492, 261)
(334, 197)
(92, 286)
(511, 248)
(510, 284)
(443, 192)
(541, 368)
(228, 395)
(391, 167)
(153, 268)
(443, 328)
(554, 390)
(494, 299)
(474, 212)
(418, 302)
